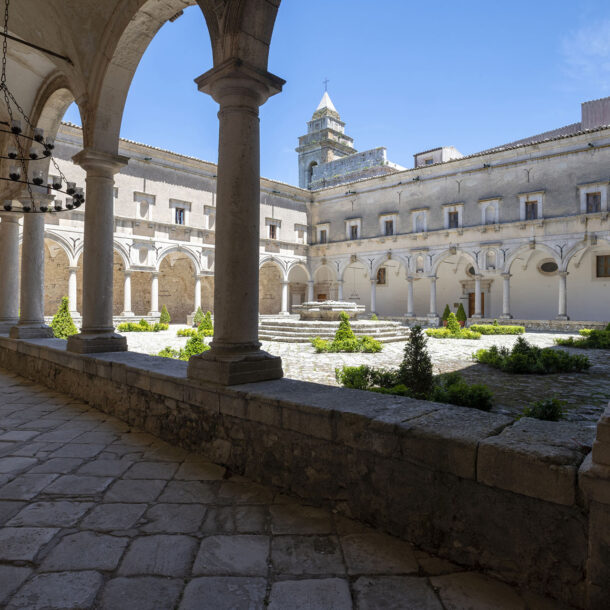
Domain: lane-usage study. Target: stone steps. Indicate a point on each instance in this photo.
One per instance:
(299, 331)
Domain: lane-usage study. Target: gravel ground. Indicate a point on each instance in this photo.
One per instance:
(586, 393)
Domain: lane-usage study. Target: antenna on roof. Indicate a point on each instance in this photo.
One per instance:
(326, 81)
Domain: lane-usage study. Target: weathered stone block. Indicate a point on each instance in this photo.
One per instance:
(536, 458)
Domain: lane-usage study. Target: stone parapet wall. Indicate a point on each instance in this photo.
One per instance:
(549, 325)
(475, 487)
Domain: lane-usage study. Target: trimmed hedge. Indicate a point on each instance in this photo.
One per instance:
(165, 317)
(187, 332)
(141, 327)
(452, 330)
(529, 359)
(497, 329)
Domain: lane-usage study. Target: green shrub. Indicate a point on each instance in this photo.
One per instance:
(374, 317)
(346, 341)
(452, 388)
(206, 328)
(141, 327)
(62, 324)
(461, 314)
(414, 378)
(187, 332)
(165, 317)
(415, 370)
(453, 330)
(446, 313)
(497, 329)
(529, 359)
(198, 318)
(453, 326)
(549, 409)
(595, 339)
(345, 330)
(193, 347)
(585, 332)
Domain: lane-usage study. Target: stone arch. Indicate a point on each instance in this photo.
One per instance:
(61, 241)
(56, 273)
(275, 261)
(123, 253)
(542, 247)
(172, 249)
(271, 275)
(353, 260)
(298, 277)
(239, 30)
(452, 252)
(177, 270)
(299, 264)
(392, 286)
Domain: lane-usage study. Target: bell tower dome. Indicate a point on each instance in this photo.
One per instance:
(325, 141)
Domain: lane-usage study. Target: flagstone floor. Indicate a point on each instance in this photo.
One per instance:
(95, 514)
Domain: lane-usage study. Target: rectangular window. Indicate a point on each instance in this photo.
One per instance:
(179, 216)
(381, 277)
(323, 236)
(603, 266)
(531, 210)
(353, 232)
(453, 220)
(594, 203)
(428, 161)
(272, 232)
(389, 227)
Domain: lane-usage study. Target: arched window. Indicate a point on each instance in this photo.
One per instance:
(310, 172)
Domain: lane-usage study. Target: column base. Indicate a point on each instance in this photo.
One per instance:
(154, 313)
(564, 318)
(234, 369)
(476, 316)
(506, 316)
(284, 313)
(96, 343)
(31, 331)
(410, 314)
(433, 318)
(128, 314)
(6, 325)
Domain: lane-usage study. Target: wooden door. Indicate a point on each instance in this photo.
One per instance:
(471, 304)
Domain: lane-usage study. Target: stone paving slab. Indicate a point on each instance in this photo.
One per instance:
(136, 524)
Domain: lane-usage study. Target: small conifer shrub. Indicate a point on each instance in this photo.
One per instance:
(165, 317)
(63, 326)
(461, 314)
(453, 330)
(198, 319)
(206, 328)
(346, 341)
(415, 370)
(446, 313)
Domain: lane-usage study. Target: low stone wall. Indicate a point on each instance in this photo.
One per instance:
(475, 487)
(567, 326)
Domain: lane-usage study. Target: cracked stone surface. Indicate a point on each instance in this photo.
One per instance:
(586, 394)
(95, 514)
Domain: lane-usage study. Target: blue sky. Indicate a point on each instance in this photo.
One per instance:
(409, 75)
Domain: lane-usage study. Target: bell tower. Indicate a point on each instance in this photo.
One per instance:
(325, 141)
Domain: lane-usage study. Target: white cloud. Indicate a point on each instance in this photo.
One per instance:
(586, 54)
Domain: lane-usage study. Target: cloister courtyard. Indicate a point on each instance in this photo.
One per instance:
(586, 394)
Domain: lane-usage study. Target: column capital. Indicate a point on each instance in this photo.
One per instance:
(73, 268)
(238, 82)
(563, 273)
(98, 162)
(127, 272)
(478, 276)
(432, 277)
(507, 275)
(9, 217)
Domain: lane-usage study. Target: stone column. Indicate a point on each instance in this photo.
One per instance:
(310, 295)
(563, 296)
(31, 319)
(197, 292)
(339, 290)
(410, 309)
(72, 291)
(9, 271)
(594, 481)
(97, 333)
(236, 356)
(506, 297)
(432, 313)
(477, 297)
(285, 293)
(127, 295)
(154, 294)
(373, 295)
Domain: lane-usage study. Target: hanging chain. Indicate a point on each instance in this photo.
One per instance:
(4, 44)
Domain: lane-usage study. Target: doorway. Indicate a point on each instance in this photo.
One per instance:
(471, 304)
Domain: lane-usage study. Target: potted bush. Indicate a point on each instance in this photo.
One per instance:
(461, 315)
(445, 315)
